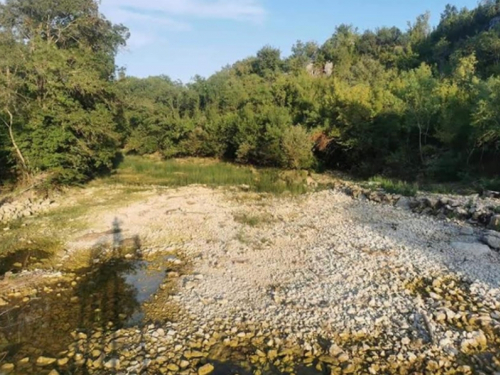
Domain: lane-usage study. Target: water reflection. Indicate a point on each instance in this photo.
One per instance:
(105, 296)
(21, 259)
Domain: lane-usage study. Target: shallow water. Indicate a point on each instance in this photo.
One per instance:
(21, 259)
(106, 297)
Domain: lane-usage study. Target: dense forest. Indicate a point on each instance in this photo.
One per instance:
(419, 104)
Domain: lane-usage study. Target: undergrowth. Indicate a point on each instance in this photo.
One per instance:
(136, 170)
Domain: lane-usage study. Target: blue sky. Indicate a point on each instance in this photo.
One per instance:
(182, 38)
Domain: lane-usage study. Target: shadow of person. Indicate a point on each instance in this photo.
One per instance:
(106, 297)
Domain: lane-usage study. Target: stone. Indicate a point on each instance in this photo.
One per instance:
(44, 361)
(7, 368)
(206, 369)
(3, 302)
(494, 223)
(184, 364)
(23, 362)
(173, 367)
(403, 203)
(473, 249)
(492, 239)
(466, 231)
(113, 363)
(54, 372)
(62, 362)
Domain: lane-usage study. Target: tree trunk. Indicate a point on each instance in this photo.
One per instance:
(420, 144)
(14, 144)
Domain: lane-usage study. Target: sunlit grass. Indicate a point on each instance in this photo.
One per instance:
(176, 173)
(395, 186)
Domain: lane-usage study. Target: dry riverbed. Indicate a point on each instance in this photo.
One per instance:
(221, 281)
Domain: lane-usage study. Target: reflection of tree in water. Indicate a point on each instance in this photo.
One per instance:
(43, 326)
(105, 296)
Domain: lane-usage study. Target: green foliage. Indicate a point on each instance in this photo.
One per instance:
(415, 104)
(135, 170)
(395, 186)
(57, 99)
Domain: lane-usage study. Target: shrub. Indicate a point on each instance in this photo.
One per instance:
(297, 148)
(396, 186)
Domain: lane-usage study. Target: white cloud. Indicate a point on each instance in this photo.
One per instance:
(251, 10)
(149, 19)
(127, 17)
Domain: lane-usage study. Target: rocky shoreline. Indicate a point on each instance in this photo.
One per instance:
(307, 285)
(480, 211)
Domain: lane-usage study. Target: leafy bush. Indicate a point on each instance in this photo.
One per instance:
(396, 186)
(297, 148)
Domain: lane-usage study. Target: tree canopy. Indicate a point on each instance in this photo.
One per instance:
(419, 103)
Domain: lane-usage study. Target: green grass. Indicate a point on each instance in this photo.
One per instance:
(395, 186)
(252, 220)
(175, 173)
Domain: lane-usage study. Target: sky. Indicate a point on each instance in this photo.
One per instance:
(184, 38)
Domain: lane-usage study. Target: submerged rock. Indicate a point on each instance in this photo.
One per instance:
(206, 369)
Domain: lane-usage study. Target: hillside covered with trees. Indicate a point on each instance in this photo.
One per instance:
(418, 104)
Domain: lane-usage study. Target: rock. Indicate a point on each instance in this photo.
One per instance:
(173, 367)
(113, 363)
(403, 203)
(44, 361)
(62, 362)
(206, 369)
(7, 368)
(184, 364)
(3, 302)
(54, 372)
(494, 223)
(467, 231)
(489, 193)
(23, 362)
(492, 239)
(474, 249)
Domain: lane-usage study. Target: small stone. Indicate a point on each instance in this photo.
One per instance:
(44, 361)
(173, 367)
(62, 362)
(113, 363)
(7, 368)
(23, 361)
(206, 369)
(54, 372)
(3, 302)
(343, 358)
(184, 364)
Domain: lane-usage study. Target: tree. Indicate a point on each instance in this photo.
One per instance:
(268, 61)
(59, 96)
(418, 92)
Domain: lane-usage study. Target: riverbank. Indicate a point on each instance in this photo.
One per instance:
(251, 283)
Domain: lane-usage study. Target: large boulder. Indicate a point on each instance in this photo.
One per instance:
(492, 239)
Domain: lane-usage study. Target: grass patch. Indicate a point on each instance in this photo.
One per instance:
(395, 186)
(136, 170)
(252, 220)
